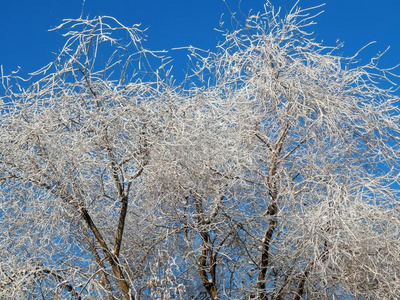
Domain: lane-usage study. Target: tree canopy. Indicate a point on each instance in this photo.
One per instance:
(271, 172)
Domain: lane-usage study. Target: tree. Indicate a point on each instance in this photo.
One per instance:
(271, 173)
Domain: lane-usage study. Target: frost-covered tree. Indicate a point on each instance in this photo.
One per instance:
(270, 173)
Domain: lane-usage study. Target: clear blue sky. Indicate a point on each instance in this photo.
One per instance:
(25, 41)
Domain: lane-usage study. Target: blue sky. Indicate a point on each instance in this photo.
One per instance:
(25, 41)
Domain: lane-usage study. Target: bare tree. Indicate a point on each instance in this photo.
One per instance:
(271, 173)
